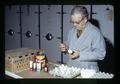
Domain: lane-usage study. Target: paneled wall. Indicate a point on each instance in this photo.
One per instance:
(50, 27)
(105, 15)
(12, 27)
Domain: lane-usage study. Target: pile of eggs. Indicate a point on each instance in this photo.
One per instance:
(65, 71)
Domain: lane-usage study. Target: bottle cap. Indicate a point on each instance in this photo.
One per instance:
(40, 57)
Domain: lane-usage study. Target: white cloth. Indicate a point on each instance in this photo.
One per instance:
(91, 45)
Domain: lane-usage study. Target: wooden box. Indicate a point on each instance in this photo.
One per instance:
(18, 60)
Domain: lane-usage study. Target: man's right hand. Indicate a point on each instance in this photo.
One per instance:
(63, 47)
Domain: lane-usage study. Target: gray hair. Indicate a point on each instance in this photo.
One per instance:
(81, 10)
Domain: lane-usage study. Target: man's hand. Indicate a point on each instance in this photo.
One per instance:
(75, 55)
(63, 47)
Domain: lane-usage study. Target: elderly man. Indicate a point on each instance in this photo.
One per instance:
(85, 44)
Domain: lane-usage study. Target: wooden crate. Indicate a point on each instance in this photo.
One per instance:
(17, 60)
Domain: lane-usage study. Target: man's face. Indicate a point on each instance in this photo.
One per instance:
(78, 21)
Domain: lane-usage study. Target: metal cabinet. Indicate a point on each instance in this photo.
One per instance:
(50, 30)
(12, 28)
(30, 29)
(105, 15)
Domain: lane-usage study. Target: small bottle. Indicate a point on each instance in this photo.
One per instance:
(34, 59)
(38, 66)
(31, 65)
(70, 51)
(34, 66)
(45, 69)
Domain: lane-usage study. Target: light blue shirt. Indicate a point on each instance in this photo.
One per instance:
(91, 45)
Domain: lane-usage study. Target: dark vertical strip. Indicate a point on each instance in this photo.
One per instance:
(2, 41)
(39, 26)
(28, 10)
(20, 17)
(90, 11)
(61, 31)
(10, 7)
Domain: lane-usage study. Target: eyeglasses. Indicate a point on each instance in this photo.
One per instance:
(77, 22)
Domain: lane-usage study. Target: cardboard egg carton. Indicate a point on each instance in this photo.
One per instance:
(17, 60)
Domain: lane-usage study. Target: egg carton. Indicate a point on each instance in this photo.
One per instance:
(65, 71)
(103, 75)
(88, 73)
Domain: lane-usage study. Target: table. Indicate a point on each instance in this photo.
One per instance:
(28, 74)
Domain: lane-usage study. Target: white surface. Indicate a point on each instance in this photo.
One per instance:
(12, 74)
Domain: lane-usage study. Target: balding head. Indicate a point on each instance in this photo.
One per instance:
(80, 10)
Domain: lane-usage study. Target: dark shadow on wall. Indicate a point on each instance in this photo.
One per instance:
(95, 22)
(108, 63)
